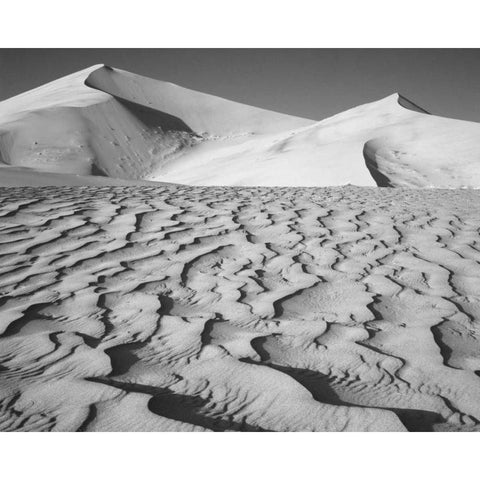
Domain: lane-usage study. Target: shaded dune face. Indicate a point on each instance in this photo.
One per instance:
(205, 114)
(181, 308)
(379, 174)
(108, 122)
(131, 140)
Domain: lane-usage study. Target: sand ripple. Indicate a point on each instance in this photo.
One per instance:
(260, 309)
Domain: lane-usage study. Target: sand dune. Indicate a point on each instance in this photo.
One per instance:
(258, 309)
(205, 114)
(107, 122)
(145, 285)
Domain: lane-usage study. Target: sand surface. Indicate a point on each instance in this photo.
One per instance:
(253, 309)
(241, 300)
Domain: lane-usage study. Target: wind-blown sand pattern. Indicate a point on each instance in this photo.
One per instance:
(255, 309)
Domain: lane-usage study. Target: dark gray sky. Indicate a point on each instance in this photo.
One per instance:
(313, 83)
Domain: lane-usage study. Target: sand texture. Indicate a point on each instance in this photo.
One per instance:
(180, 308)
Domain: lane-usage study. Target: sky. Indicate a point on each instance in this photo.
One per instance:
(311, 83)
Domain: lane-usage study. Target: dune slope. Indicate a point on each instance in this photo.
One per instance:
(108, 122)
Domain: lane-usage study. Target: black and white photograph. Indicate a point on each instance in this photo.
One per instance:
(239, 239)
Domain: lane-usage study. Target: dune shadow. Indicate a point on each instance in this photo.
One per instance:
(414, 420)
(155, 118)
(371, 163)
(30, 314)
(150, 117)
(445, 351)
(318, 384)
(122, 357)
(191, 409)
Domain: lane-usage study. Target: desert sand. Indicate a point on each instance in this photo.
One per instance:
(189, 308)
(252, 290)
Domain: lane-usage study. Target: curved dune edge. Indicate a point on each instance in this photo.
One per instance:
(203, 113)
(251, 309)
(408, 104)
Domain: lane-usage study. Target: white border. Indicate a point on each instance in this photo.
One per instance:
(246, 23)
(242, 23)
(232, 456)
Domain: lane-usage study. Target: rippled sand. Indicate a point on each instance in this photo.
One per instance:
(264, 309)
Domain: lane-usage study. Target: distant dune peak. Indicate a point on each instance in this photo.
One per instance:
(406, 103)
